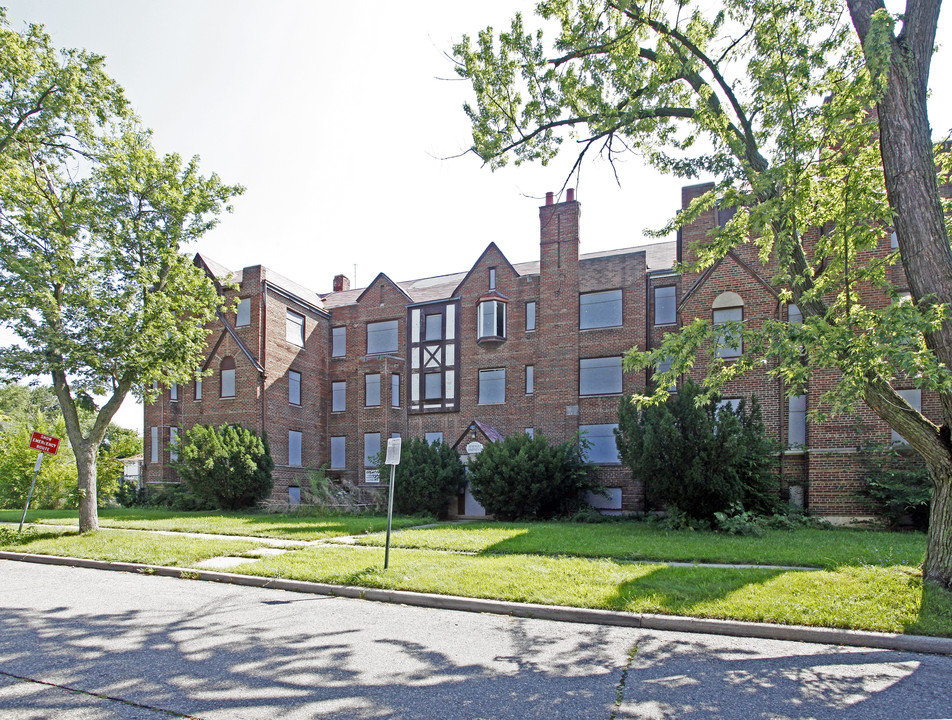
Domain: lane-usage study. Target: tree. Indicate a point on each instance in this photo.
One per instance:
(92, 221)
(527, 477)
(228, 465)
(701, 458)
(428, 477)
(774, 99)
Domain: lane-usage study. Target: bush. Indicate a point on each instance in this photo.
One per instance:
(526, 477)
(229, 466)
(428, 477)
(898, 487)
(700, 459)
(174, 497)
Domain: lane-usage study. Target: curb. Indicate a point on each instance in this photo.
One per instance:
(644, 621)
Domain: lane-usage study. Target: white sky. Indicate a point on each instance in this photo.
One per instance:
(335, 117)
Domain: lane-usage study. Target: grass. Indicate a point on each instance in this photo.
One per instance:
(887, 599)
(290, 526)
(122, 546)
(864, 579)
(806, 547)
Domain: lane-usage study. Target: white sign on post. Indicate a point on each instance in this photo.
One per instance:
(393, 451)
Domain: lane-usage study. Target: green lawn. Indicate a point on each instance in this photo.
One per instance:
(864, 579)
(807, 547)
(122, 546)
(288, 526)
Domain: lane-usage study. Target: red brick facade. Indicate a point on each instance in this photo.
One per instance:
(528, 347)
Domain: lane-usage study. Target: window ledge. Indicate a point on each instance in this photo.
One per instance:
(491, 340)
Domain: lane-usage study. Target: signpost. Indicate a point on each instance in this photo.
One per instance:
(44, 444)
(393, 459)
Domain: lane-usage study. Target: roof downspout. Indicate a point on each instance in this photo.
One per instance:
(263, 334)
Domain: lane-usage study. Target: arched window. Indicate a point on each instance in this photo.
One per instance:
(728, 307)
(228, 377)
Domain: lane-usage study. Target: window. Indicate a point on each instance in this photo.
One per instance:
(599, 309)
(602, 448)
(492, 278)
(198, 389)
(338, 452)
(339, 395)
(154, 455)
(794, 316)
(338, 341)
(294, 448)
(381, 337)
(664, 366)
(173, 392)
(530, 316)
(797, 420)
(243, 314)
(729, 344)
(395, 391)
(433, 437)
(665, 305)
(372, 390)
(599, 376)
(294, 331)
(492, 319)
(914, 398)
(492, 386)
(433, 327)
(173, 444)
(530, 432)
(294, 387)
(893, 240)
(371, 451)
(530, 379)
(732, 404)
(294, 496)
(228, 377)
(433, 386)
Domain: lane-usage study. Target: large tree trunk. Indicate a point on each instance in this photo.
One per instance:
(939, 546)
(86, 474)
(913, 191)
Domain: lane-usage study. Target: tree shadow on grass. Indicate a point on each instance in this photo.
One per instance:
(680, 590)
(935, 613)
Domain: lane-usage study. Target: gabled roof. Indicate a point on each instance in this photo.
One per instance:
(294, 291)
(490, 247)
(382, 276)
(710, 271)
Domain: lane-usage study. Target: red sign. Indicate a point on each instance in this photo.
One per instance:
(44, 443)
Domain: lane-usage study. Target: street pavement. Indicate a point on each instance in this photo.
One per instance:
(82, 644)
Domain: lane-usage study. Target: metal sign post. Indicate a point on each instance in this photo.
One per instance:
(45, 444)
(393, 459)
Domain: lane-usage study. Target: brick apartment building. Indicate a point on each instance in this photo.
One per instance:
(499, 349)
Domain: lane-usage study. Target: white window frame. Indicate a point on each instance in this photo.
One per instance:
(600, 376)
(338, 392)
(294, 328)
(490, 382)
(602, 449)
(720, 316)
(372, 390)
(491, 319)
(228, 383)
(243, 313)
(600, 309)
(338, 451)
(339, 341)
(383, 337)
(294, 387)
(666, 299)
(295, 448)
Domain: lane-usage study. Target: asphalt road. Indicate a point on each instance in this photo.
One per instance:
(78, 644)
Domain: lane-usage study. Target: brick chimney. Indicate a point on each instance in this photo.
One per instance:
(557, 373)
(341, 283)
